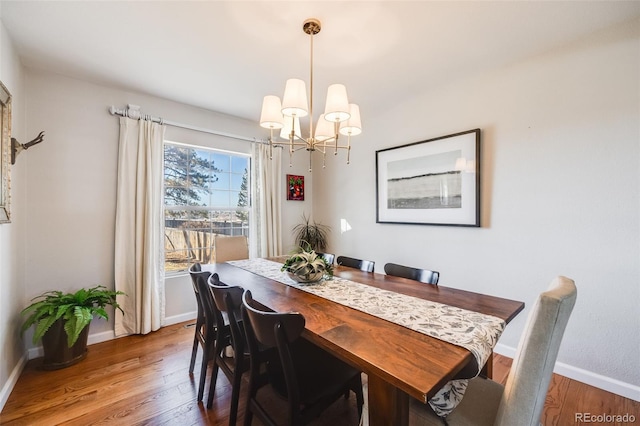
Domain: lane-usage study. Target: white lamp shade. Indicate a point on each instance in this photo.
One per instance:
(337, 105)
(286, 130)
(294, 101)
(271, 116)
(352, 126)
(324, 129)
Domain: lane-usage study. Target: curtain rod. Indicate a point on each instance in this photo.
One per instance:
(133, 111)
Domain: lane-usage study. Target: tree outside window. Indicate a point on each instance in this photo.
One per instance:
(206, 194)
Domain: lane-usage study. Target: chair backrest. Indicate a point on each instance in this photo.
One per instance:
(195, 271)
(228, 299)
(327, 256)
(363, 265)
(275, 330)
(528, 382)
(212, 315)
(214, 279)
(288, 324)
(231, 248)
(423, 275)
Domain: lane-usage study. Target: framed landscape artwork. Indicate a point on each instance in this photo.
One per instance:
(433, 182)
(295, 187)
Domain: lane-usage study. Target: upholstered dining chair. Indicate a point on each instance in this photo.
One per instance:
(521, 401)
(423, 275)
(231, 248)
(228, 300)
(309, 378)
(196, 271)
(363, 265)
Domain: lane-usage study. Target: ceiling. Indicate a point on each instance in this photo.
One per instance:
(226, 55)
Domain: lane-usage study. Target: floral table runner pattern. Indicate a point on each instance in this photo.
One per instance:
(476, 332)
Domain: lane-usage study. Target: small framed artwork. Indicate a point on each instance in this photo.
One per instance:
(432, 182)
(295, 187)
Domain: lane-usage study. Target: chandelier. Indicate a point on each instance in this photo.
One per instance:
(339, 118)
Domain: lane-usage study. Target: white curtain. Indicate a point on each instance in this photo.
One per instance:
(139, 248)
(266, 224)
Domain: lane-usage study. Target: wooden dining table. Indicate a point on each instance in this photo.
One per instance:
(400, 363)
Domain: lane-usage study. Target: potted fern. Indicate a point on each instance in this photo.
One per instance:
(61, 321)
(306, 266)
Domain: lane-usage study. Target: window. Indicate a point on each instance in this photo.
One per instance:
(206, 193)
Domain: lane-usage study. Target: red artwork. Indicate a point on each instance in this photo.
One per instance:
(295, 187)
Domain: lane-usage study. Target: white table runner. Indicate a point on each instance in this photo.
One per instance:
(476, 332)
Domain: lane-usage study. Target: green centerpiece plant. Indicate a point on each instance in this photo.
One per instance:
(305, 265)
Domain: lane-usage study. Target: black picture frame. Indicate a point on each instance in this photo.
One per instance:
(431, 182)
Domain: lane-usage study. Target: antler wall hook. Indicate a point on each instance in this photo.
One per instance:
(17, 147)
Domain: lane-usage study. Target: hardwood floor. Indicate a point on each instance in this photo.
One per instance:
(144, 380)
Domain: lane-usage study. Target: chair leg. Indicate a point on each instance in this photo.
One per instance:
(214, 374)
(203, 373)
(194, 352)
(212, 384)
(253, 391)
(213, 380)
(235, 393)
(208, 350)
(248, 414)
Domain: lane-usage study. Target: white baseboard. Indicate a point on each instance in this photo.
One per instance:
(11, 381)
(176, 319)
(608, 384)
(505, 350)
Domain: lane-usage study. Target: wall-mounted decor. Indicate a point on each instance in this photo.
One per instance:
(433, 182)
(5, 154)
(17, 147)
(295, 187)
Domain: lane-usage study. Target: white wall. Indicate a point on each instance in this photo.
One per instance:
(560, 194)
(11, 234)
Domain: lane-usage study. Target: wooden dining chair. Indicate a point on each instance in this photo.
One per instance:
(363, 265)
(423, 275)
(228, 300)
(309, 378)
(231, 248)
(214, 328)
(196, 271)
(521, 400)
